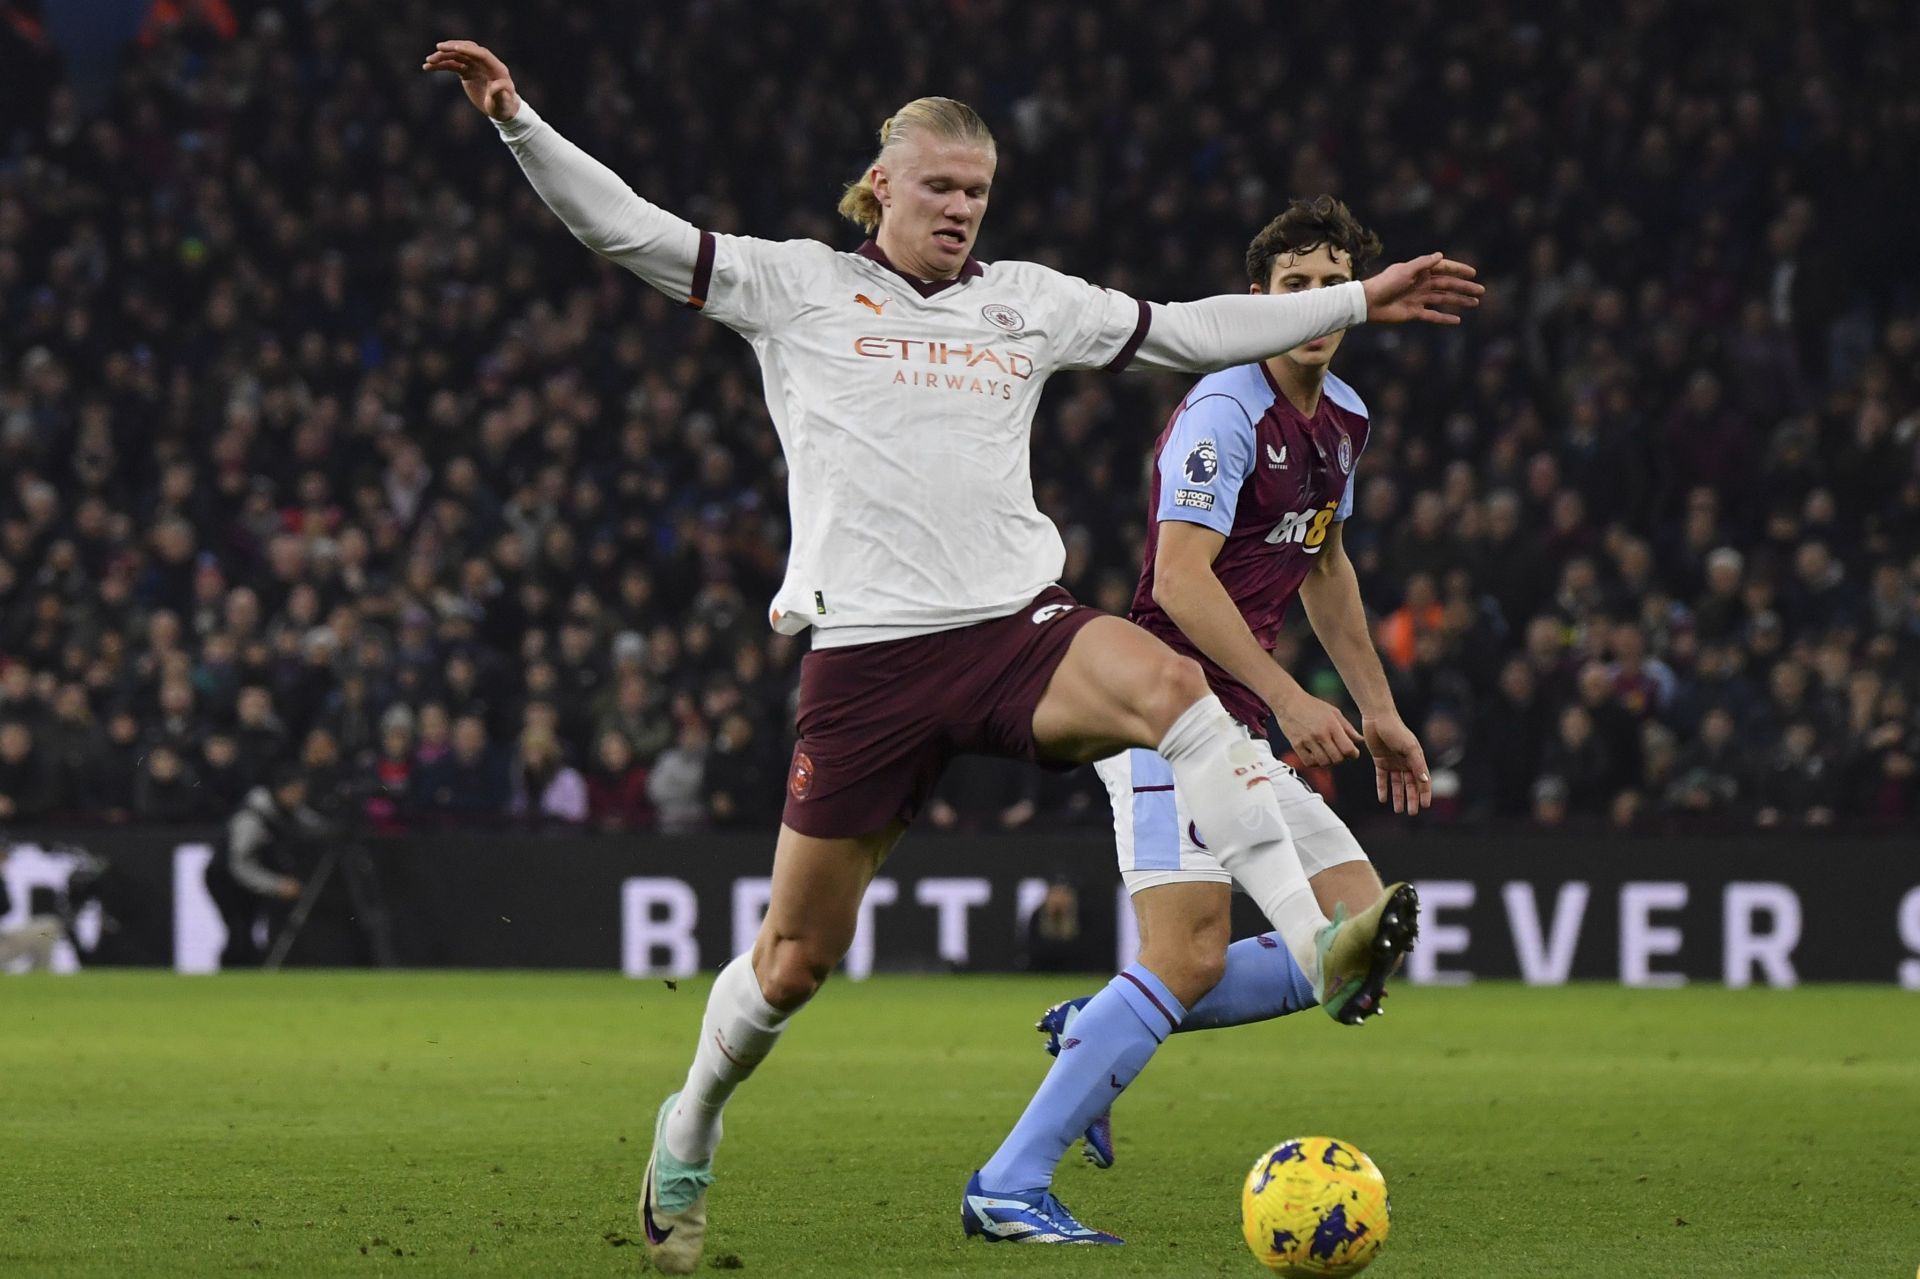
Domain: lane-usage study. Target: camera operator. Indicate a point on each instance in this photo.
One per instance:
(254, 875)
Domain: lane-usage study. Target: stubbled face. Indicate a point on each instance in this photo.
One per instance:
(933, 195)
(1318, 268)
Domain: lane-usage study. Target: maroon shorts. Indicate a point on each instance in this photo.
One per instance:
(878, 722)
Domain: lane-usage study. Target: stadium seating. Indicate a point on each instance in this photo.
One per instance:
(321, 439)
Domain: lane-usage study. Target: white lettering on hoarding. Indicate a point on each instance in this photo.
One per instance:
(1744, 947)
(1438, 939)
(881, 892)
(199, 934)
(1545, 963)
(952, 899)
(1909, 917)
(750, 898)
(1641, 941)
(657, 917)
(27, 867)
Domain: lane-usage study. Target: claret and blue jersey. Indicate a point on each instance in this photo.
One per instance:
(1238, 458)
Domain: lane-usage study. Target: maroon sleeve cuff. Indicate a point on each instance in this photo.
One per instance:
(1127, 352)
(702, 273)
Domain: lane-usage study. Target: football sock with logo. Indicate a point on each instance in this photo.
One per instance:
(739, 1030)
(1215, 767)
(1261, 981)
(1113, 1038)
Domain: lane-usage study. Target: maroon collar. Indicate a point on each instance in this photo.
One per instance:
(1280, 396)
(925, 288)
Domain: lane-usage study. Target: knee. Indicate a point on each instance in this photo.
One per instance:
(1206, 965)
(1176, 684)
(1190, 969)
(791, 972)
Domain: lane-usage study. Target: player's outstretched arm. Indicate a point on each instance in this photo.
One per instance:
(1239, 328)
(1331, 593)
(602, 211)
(1430, 289)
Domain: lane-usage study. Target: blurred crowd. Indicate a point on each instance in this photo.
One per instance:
(320, 440)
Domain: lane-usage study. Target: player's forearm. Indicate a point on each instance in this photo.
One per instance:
(1200, 606)
(1238, 328)
(1331, 595)
(602, 211)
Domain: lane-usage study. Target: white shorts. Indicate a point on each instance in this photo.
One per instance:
(1158, 844)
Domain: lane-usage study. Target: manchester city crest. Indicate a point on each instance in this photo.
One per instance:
(1003, 316)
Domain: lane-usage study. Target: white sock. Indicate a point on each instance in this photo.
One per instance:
(1234, 805)
(739, 1030)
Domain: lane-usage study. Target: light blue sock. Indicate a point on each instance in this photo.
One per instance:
(1113, 1038)
(1261, 981)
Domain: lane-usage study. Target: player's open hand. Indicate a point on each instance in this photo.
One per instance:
(1399, 765)
(1430, 289)
(1319, 734)
(488, 83)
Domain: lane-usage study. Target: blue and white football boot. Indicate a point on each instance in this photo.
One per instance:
(1054, 1024)
(673, 1204)
(1024, 1216)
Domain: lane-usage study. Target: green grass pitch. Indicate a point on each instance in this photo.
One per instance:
(468, 1124)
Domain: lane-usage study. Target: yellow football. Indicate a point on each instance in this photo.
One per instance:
(1315, 1207)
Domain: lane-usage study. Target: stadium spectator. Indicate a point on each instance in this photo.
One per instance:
(388, 782)
(617, 787)
(547, 791)
(222, 774)
(1056, 941)
(743, 778)
(167, 789)
(1796, 785)
(676, 783)
(1462, 789)
(1578, 759)
(309, 417)
(28, 789)
(469, 783)
(978, 793)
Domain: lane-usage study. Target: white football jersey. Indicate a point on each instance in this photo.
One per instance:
(903, 407)
(904, 410)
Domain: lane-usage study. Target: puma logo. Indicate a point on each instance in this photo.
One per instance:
(870, 304)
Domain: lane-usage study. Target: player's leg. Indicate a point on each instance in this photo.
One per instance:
(1118, 686)
(811, 914)
(1259, 979)
(1183, 931)
(1260, 983)
(1101, 1044)
(1115, 1033)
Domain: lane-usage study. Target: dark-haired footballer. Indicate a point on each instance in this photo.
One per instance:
(1253, 480)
